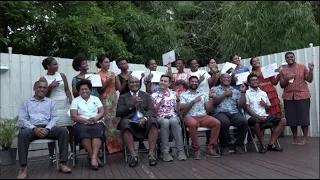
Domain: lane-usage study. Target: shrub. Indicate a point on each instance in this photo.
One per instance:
(8, 130)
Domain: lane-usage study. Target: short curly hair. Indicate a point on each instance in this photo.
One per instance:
(182, 60)
(190, 60)
(76, 63)
(146, 64)
(46, 62)
(120, 59)
(84, 82)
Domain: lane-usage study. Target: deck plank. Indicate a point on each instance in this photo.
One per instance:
(295, 162)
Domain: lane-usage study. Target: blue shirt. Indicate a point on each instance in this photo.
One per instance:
(241, 69)
(34, 112)
(228, 104)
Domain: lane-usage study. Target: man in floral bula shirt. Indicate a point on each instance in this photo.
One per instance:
(167, 104)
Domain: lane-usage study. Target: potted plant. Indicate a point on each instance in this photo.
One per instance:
(8, 131)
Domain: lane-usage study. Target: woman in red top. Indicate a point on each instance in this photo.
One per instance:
(267, 85)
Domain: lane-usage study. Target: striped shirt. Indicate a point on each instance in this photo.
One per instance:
(35, 112)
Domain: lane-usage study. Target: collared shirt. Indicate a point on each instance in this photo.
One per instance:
(253, 98)
(228, 104)
(37, 112)
(168, 106)
(204, 85)
(239, 70)
(198, 109)
(140, 114)
(86, 109)
(299, 88)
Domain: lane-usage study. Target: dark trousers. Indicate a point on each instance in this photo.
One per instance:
(237, 120)
(27, 135)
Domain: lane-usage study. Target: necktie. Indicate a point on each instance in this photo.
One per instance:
(135, 117)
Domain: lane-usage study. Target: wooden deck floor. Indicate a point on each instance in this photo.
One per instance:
(294, 162)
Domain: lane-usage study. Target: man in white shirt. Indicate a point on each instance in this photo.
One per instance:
(257, 102)
(204, 78)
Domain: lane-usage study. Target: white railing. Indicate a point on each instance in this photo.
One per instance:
(19, 72)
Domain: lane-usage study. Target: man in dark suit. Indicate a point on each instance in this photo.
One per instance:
(136, 111)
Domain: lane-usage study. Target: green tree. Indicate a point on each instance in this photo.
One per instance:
(259, 28)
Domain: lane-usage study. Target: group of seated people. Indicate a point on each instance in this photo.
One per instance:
(145, 116)
(161, 110)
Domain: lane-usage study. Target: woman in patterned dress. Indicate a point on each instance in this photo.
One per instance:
(109, 99)
(267, 85)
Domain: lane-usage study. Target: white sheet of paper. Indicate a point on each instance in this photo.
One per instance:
(269, 70)
(168, 57)
(156, 76)
(137, 74)
(227, 66)
(200, 73)
(242, 77)
(115, 68)
(95, 79)
(291, 80)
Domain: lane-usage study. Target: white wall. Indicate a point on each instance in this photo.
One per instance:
(16, 83)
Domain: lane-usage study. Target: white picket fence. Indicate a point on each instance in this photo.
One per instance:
(19, 72)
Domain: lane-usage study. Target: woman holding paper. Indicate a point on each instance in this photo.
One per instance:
(239, 69)
(267, 85)
(122, 78)
(80, 63)
(58, 90)
(109, 100)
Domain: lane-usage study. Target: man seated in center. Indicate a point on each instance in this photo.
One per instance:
(167, 104)
(196, 104)
(136, 111)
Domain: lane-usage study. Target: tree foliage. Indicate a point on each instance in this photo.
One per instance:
(140, 29)
(259, 28)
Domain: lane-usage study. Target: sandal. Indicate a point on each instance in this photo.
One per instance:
(152, 160)
(303, 143)
(133, 162)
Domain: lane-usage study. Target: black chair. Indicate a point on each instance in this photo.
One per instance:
(253, 138)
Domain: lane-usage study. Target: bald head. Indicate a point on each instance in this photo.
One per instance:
(133, 84)
(224, 75)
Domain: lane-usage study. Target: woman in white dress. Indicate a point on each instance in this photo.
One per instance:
(58, 90)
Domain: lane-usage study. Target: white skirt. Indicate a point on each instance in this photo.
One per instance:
(63, 107)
